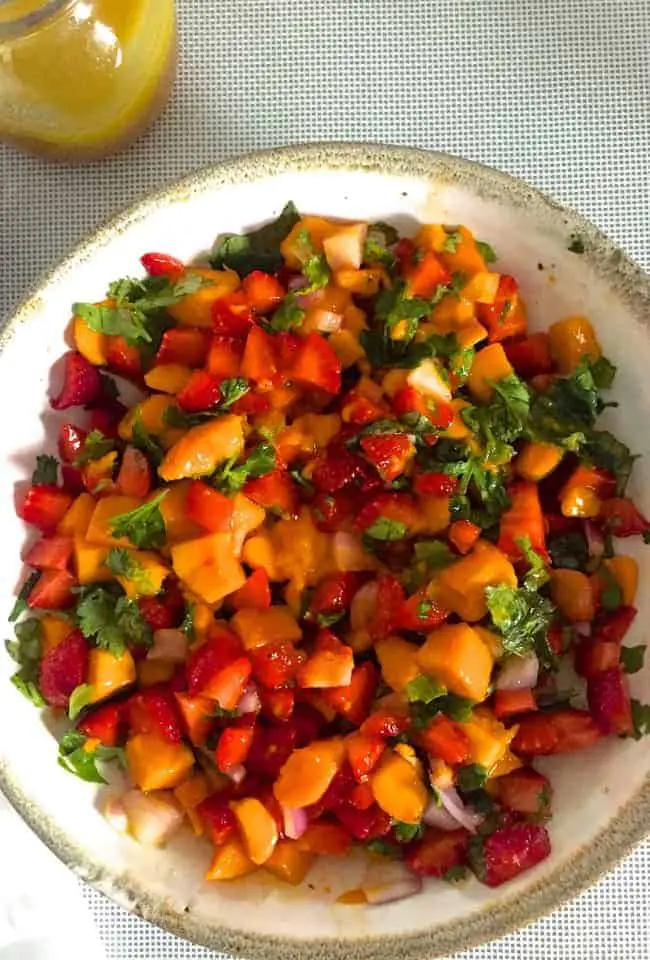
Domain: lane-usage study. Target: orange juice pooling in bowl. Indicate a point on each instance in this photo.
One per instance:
(81, 78)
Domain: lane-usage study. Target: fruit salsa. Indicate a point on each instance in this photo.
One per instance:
(344, 568)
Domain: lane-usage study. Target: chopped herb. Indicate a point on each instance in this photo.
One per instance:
(632, 658)
(521, 616)
(143, 440)
(611, 597)
(122, 563)
(288, 316)
(455, 874)
(471, 777)
(187, 626)
(640, 719)
(96, 446)
(486, 251)
(111, 620)
(47, 470)
(603, 372)
(231, 391)
(257, 250)
(434, 553)
(407, 832)
(80, 697)
(76, 759)
(20, 604)
(395, 307)
(538, 574)
(452, 241)
(576, 244)
(456, 708)
(501, 422)
(329, 619)
(383, 848)
(221, 713)
(379, 238)
(143, 526)
(424, 690)
(25, 649)
(232, 476)
(610, 454)
(447, 346)
(317, 272)
(386, 529)
(569, 550)
(302, 481)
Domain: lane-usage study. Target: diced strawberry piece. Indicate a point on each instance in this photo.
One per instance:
(509, 703)
(276, 664)
(44, 506)
(219, 821)
(277, 704)
(334, 594)
(506, 316)
(433, 484)
(409, 400)
(382, 724)
(336, 468)
(308, 724)
(438, 852)
(559, 731)
(162, 265)
(362, 796)
(622, 518)
(72, 479)
(390, 606)
(205, 663)
(134, 477)
(155, 613)
(252, 404)
(530, 356)
(420, 613)
(363, 754)
(259, 360)
(463, 535)
(315, 364)
(389, 453)
(227, 687)
(446, 740)
(201, 392)
(364, 824)
(225, 357)
(608, 695)
(124, 358)
(53, 591)
(507, 852)
(208, 508)
(399, 507)
(197, 715)
(271, 748)
(255, 594)
(103, 724)
(105, 418)
(184, 345)
(331, 511)
(524, 791)
(234, 745)
(274, 491)
(82, 383)
(50, 553)
(71, 442)
(231, 316)
(63, 668)
(361, 410)
(523, 519)
(353, 701)
(263, 291)
(404, 251)
(155, 710)
(612, 627)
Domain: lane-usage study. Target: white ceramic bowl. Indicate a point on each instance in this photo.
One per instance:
(602, 796)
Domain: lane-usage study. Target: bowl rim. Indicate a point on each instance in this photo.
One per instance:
(587, 864)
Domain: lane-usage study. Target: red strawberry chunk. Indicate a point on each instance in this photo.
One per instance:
(219, 821)
(435, 484)
(334, 594)
(154, 710)
(201, 392)
(336, 468)
(271, 748)
(353, 701)
(207, 661)
(49, 553)
(276, 664)
(524, 791)
(437, 852)
(82, 383)
(103, 724)
(71, 441)
(234, 745)
(63, 668)
(44, 506)
(389, 454)
(162, 265)
(507, 852)
(558, 731)
(364, 824)
(155, 613)
(53, 591)
(315, 364)
(608, 695)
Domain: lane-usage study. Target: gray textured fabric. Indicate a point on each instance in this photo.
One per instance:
(556, 92)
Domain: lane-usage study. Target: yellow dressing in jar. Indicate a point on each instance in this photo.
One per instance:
(82, 78)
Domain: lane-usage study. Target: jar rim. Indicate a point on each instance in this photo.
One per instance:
(27, 22)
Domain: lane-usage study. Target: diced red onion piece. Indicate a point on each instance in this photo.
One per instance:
(295, 821)
(582, 628)
(297, 283)
(386, 884)
(250, 701)
(595, 539)
(438, 816)
(237, 774)
(326, 321)
(518, 673)
(466, 815)
(307, 300)
(168, 644)
(364, 602)
(152, 820)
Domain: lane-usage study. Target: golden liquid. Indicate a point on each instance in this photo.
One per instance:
(89, 79)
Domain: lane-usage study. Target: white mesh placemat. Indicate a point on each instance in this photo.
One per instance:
(557, 92)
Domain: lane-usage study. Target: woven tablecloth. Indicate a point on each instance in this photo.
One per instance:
(556, 92)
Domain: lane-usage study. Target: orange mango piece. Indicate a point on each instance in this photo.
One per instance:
(152, 573)
(461, 586)
(76, 519)
(89, 562)
(570, 341)
(258, 827)
(53, 632)
(293, 248)
(195, 310)
(173, 507)
(572, 594)
(200, 451)
(466, 258)
(625, 571)
(490, 365)
(198, 715)
(308, 772)
(108, 673)
(91, 345)
(168, 377)
(277, 624)
(99, 528)
(289, 862)
(189, 795)
(230, 861)
(537, 460)
(457, 656)
(489, 739)
(246, 517)
(208, 566)
(398, 788)
(155, 764)
(398, 660)
(152, 413)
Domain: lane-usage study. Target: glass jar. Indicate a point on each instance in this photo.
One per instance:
(82, 78)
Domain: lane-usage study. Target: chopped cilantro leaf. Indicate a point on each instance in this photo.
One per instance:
(382, 848)
(302, 481)
(455, 874)
(122, 563)
(80, 697)
(112, 621)
(232, 476)
(640, 719)
(143, 440)
(610, 454)
(538, 574)
(96, 446)
(603, 372)
(452, 241)
(434, 553)
(187, 626)
(407, 832)
(46, 471)
(395, 307)
(611, 597)
(521, 616)
(20, 604)
(257, 250)
(386, 529)
(232, 390)
(76, 759)
(569, 550)
(471, 777)
(288, 316)
(457, 708)
(424, 690)
(446, 345)
(486, 251)
(25, 649)
(379, 238)
(632, 658)
(143, 526)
